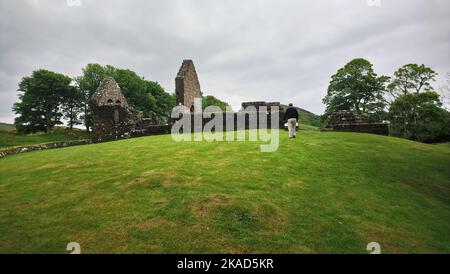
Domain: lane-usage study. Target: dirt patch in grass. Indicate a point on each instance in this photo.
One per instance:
(237, 250)
(221, 198)
(206, 205)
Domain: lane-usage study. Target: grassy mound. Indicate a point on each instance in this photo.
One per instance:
(322, 192)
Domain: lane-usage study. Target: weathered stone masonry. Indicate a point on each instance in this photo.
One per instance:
(17, 150)
(113, 119)
(347, 121)
(253, 111)
(187, 86)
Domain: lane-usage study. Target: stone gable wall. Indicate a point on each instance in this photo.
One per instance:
(108, 93)
(187, 86)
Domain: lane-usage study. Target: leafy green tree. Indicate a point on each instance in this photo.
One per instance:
(419, 116)
(210, 100)
(93, 74)
(357, 88)
(72, 106)
(135, 89)
(39, 102)
(412, 78)
(165, 102)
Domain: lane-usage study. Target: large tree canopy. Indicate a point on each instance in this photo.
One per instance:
(39, 106)
(47, 97)
(419, 116)
(72, 106)
(357, 88)
(88, 83)
(164, 101)
(210, 100)
(135, 89)
(412, 78)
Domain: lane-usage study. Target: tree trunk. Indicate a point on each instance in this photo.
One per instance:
(86, 124)
(71, 119)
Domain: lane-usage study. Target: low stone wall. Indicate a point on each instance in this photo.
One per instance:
(374, 128)
(230, 120)
(151, 130)
(16, 150)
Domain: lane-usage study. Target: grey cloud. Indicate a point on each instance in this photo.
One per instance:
(243, 50)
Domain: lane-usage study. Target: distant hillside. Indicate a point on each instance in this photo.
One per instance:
(6, 127)
(10, 139)
(306, 117)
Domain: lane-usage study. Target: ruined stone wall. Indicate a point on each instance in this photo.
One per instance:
(374, 128)
(114, 122)
(151, 130)
(349, 122)
(23, 149)
(187, 86)
(231, 118)
(108, 93)
(259, 104)
(112, 118)
(345, 117)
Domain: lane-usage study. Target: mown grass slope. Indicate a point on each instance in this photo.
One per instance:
(319, 193)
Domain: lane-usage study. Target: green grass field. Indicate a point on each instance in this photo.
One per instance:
(9, 139)
(320, 193)
(447, 144)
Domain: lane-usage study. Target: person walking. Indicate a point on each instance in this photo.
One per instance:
(291, 116)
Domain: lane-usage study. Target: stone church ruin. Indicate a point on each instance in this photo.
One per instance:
(114, 119)
(348, 121)
(187, 89)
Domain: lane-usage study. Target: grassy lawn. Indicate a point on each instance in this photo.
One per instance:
(320, 193)
(447, 145)
(8, 139)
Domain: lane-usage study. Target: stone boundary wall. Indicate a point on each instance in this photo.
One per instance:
(232, 118)
(151, 130)
(374, 128)
(17, 150)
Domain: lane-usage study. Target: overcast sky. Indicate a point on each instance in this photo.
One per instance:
(243, 50)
